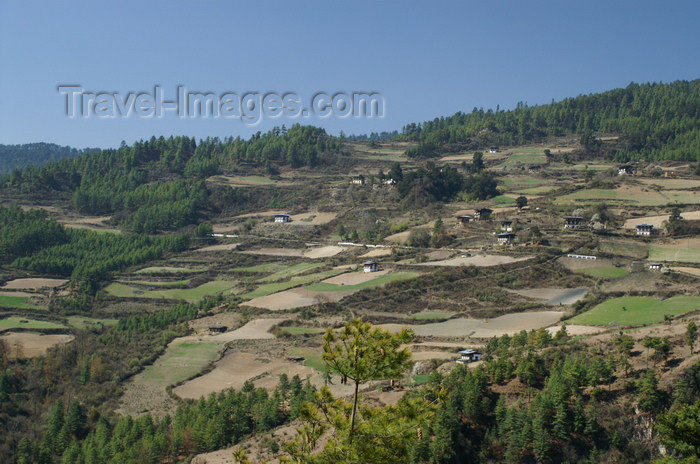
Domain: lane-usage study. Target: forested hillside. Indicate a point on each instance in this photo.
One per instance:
(20, 156)
(158, 184)
(31, 241)
(654, 121)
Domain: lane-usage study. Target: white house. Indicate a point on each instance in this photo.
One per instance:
(283, 218)
(370, 266)
(572, 222)
(507, 226)
(358, 180)
(493, 150)
(655, 266)
(468, 356)
(388, 181)
(505, 238)
(645, 229)
(625, 170)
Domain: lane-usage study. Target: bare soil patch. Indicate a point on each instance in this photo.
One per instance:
(34, 344)
(33, 283)
(479, 261)
(313, 219)
(237, 367)
(577, 330)
(687, 270)
(267, 212)
(513, 323)
(554, 296)
(401, 237)
(377, 253)
(427, 355)
(574, 264)
(296, 298)
(440, 254)
(313, 253)
(222, 247)
(478, 328)
(232, 371)
(253, 330)
(658, 221)
(354, 278)
(323, 252)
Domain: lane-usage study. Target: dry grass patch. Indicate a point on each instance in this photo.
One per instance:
(32, 344)
(479, 261)
(554, 296)
(33, 283)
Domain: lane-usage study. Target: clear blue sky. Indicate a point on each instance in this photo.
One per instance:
(428, 60)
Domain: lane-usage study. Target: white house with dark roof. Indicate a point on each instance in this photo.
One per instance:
(625, 170)
(281, 218)
(506, 238)
(655, 266)
(370, 266)
(358, 180)
(467, 356)
(507, 225)
(572, 222)
(645, 229)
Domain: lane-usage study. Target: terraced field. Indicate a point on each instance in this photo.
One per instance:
(636, 310)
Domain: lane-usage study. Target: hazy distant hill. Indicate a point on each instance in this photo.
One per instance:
(20, 156)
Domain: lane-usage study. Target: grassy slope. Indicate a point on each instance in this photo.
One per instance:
(381, 280)
(7, 301)
(603, 271)
(14, 323)
(637, 310)
(681, 255)
(181, 361)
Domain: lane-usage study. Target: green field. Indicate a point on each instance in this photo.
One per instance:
(603, 271)
(681, 255)
(381, 280)
(302, 330)
(311, 357)
(7, 301)
(524, 156)
(189, 294)
(80, 322)
(503, 200)
(636, 310)
(268, 289)
(257, 179)
(290, 271)
(181, 361)
(536, 190)
(14, 323)
(421, 378)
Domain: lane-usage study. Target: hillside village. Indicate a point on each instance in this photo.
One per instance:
(569, 245)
